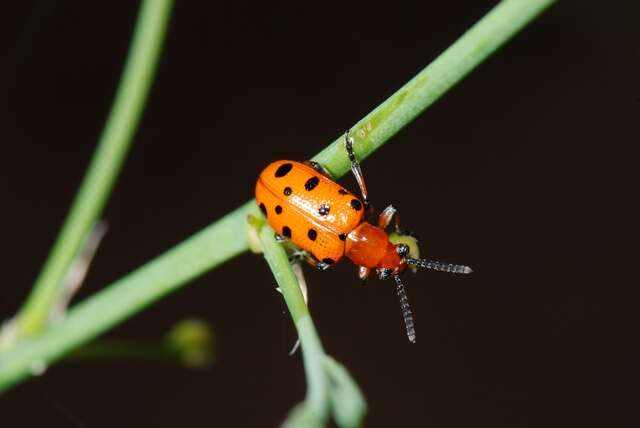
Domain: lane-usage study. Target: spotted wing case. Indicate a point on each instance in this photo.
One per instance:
(309, 208)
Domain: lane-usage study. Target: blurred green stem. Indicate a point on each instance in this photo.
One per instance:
(105, 165)
(189, 342)
(223, 239)
(111, 350)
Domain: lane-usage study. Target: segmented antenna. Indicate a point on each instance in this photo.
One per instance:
(441, 266)
(407, 316)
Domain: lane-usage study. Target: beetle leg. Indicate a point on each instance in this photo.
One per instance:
(397, 223)
(322, 265)
(309, 258)
(385, 217)
(363, 273)
(384, 273)
(322, 170)
(298, 256)
(280, 238)
(356, 170)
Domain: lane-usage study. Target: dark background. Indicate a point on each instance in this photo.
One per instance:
(525, 171)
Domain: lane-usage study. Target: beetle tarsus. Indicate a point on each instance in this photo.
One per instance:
(322, 266)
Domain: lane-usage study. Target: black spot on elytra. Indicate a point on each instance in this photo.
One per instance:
(287, 191)
(311, 183)
(283, 169)
(323, 210)
(343, 192)
(278, 209)
(312, 234)
(356, 204)
(263, 209)
(328, 261)
(286, 232)
(342, 236)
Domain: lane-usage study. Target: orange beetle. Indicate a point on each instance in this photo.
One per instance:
(303, 204)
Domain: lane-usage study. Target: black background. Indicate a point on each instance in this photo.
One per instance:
(526, 171)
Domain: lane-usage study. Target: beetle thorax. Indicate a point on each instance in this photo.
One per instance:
(369, 246)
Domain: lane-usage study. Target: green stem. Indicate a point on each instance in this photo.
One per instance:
(312, 352)
(105, 164)
(221, 241)
(190, 342)
(121, 300)
(349, 405)
(448, 69)
(329, 384)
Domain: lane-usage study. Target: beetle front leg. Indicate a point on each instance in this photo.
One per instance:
(357, 171)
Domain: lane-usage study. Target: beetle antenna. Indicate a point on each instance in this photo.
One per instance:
(407, 316)
(441, 266)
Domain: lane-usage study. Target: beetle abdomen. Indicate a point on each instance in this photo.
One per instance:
(307, 207)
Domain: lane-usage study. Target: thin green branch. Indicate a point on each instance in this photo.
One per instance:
(222, 240)
(129, 295)
(449, 68)
(312, 352)
(347, 401)
(330, 388)
(105, 165)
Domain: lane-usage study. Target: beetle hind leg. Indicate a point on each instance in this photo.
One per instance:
(300, 255)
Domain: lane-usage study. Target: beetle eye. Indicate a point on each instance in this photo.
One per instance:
(402, 250)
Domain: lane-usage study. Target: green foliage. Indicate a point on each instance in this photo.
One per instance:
(105, 165)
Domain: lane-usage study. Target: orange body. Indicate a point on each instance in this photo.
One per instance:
(369, 246)
(305, 206)
(320, 216)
